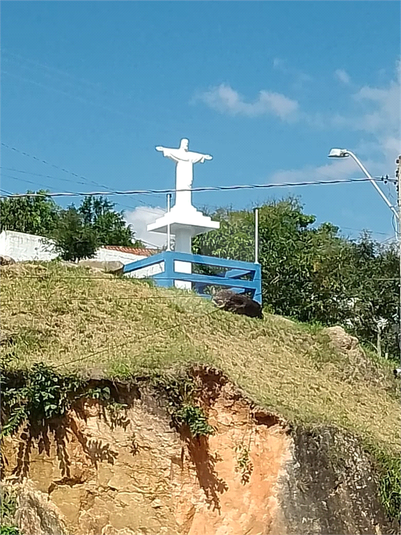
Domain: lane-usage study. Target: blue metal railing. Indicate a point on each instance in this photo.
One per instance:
(233, 277)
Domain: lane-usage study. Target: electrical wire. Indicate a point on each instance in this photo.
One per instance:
(164, 191)
(92, 278)
(18, 179)
(198, 189)
(83, 298)
(63, 169)
(87, 180)
(42, 175)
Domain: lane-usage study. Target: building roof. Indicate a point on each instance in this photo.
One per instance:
(132, 250)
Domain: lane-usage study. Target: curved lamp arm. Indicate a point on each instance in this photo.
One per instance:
(341, 153)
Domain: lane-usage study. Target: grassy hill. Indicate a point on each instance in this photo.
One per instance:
(99, 325)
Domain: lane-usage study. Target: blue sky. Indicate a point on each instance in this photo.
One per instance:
(267, 88)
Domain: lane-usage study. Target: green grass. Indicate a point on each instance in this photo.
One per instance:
(97, 325)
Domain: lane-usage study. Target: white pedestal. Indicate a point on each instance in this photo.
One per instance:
(183, 238)
(184, 224)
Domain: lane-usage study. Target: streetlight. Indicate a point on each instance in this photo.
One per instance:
(344, 153)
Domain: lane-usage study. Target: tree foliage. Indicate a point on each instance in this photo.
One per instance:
(311, 273)
(77, 232)
(73, 238)
(32, 215)
(109, 225)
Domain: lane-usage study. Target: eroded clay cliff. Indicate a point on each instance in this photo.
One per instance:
(132, 473)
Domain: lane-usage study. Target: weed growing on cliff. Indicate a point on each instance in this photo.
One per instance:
(390, 487)
(114, 409)
(8, 501)
(9, 530)
(195, 419)
(179, 393)
(37, 396)
(388, 468)
(99, 392)
(8, 506)
(244, 463)
(42, 394)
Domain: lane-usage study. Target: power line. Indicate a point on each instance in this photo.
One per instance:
(95, 88)
(10, 194)
(198, 189)
(49, 68)
(362, 230)
(18, 179)
(63, 169)
(83, 100)
(84, 298)
(87, 180)
(41, 175)
(111, 278)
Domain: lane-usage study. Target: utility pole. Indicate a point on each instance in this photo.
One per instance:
(398, 179)
(256, 235)
(168, 226)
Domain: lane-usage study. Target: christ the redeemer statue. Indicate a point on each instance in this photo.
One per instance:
(185, 161)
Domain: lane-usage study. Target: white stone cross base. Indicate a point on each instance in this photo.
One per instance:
(183, 239)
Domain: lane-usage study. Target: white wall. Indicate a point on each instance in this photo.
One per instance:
(23, 247)
(120, 256)
(28, 247)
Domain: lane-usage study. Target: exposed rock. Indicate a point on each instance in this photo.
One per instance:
(135, 475)
(6, 260)
(238, 303)
(341, 339)
(68, 264)
(329, 487)
(35, 513)
(108, 266)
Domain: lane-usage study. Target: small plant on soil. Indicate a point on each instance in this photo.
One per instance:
(7, 508)
(244, 463)
(195, 419)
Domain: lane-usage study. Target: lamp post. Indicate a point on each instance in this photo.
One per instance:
(344, 153)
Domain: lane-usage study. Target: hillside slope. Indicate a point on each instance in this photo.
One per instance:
(102, 326)
(151, 411)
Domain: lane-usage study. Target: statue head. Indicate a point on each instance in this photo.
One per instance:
(184, 144)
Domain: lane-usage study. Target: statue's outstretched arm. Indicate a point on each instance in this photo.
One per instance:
(169, 153)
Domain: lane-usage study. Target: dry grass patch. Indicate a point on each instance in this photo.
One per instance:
(97, 324)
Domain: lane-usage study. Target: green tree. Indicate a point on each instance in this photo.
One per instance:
(33, 215)
(73, 238)
(109, 225)
(373, 281)
(312, 273)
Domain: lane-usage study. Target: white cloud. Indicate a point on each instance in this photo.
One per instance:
(226, 100)
(139, 220)
(342, 76)
(297, 75)
(335, 169)
(279, 64)
(377, 114)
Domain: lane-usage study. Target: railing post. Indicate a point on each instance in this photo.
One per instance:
(258, 283)
(169, 268)
(256, 235)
